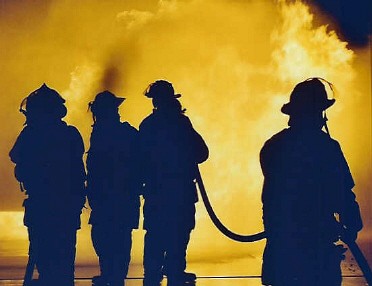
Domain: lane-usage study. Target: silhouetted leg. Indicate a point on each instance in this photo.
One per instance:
(112, 244)
(34, 246)
(153, 255)
(121, 248)
(280, 265)
(44, 246)
(314, 265)
(67, 253)
(56, 255)
(333, 271)
(325, 266)
(177, 241)
(100, 235)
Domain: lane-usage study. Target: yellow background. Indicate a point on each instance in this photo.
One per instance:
(235, 64)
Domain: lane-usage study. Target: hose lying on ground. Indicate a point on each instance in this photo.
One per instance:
(218, 223)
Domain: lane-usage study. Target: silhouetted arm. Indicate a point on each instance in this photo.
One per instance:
(17, 155)
(93, 177)
(134, 160)
(349, 211)
(146, 158)
(195, 142)
(273, 210)
(201, 148)
(78, 169)
(16, 151)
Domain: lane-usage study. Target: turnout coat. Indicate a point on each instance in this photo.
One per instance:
(307, 199)
(113, 175)
(171, 149)
(50, 167)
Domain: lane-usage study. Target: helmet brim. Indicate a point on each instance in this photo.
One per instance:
(119, 100)
(289, 107)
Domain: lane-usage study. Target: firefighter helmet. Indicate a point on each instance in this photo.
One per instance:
(161, 89)
(44, 101)
(309, 96)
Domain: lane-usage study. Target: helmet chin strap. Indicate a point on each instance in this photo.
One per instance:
(325, 123)
(331, 86)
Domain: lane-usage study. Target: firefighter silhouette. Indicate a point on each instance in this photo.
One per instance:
(113, 188)
(171, 150)
(49, 166)
(307, 182)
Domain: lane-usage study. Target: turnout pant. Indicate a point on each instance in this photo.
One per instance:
(165, 247)
(54, 251)
(313, 265)
(113, 245)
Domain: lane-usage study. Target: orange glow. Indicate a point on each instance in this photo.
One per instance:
(234, 63)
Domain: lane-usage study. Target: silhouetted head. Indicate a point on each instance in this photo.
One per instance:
(307, 102)
(162, 94)
(42, 105)
(105, 105)
(308, 97)
(161, 89)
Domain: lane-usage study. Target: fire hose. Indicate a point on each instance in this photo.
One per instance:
(353, 247)
(221, 227)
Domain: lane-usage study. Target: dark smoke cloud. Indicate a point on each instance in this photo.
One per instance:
(353, 18)
(110, 78)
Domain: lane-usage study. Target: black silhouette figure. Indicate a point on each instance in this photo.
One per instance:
(49, 166)
(113, 188)
(307, 195)
(171, 150)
